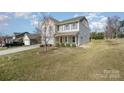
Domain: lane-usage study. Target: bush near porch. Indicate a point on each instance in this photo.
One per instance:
(65, 45)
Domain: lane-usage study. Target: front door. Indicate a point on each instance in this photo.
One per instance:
(60, 39)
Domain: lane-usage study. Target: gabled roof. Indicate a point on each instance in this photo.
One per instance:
(33, 36)
(18, 35)
(55, 20)
(8, 37)
(76, 19)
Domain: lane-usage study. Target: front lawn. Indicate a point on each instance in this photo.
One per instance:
(3, 48)
(101, 60)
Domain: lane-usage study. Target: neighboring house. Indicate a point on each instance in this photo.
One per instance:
(122, 29)
(121, 33)
(71, 31)
(27, 38)
(122, 26)
(31, 39)
(6, 40)
(24, 38)
(2, 43)
(18, 37)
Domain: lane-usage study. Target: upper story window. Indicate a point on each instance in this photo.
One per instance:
(74, 25)
(67, 27)
(60, 28)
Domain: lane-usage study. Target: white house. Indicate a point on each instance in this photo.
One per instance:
(71, 31)
(31, 39)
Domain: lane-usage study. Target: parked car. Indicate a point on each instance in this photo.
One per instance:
(12, 44)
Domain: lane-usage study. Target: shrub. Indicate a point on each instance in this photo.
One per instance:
(62, 44)
(41, 45)
(57, 44)
(49, 45)
(73, 45)
(68, 45)
(97, 35)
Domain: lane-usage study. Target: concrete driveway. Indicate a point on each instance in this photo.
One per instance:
(17, 49)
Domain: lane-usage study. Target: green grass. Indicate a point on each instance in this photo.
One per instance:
(2, 48)
(102, 60)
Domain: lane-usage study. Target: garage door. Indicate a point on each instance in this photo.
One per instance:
(27, 42)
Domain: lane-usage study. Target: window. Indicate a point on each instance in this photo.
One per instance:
(67, 27)
(60, 28)
(73, 39)
(81, 37)
(60, 39)
(66, 39)
(74, 26)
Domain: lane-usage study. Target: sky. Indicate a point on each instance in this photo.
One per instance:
(26, 21)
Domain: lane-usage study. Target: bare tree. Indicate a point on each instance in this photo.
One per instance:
(116, 25)
(46, 30)
(113, 25)
(96, 28)
(1, 39)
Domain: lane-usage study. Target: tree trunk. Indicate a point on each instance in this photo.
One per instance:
(45, 47)
(116, 34)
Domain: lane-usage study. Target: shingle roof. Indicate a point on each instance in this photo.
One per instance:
(66, 33)
(18, 35)
(33, 36)
(71, 20)
(20, 39)
(54, 19)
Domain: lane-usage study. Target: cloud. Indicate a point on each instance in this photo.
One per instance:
(34, 20)
(25, 15)
(76, 15)
(96, 21)
(28, 16)
(34, 23)
(5, 24)
(48, 13)
(4, 20)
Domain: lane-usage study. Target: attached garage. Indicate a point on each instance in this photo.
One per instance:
(31, 39)
(26, 42)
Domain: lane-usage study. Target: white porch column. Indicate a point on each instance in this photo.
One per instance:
(67, 39)
(75, 40)
(62, 39)
(71, 39)
(59, 39)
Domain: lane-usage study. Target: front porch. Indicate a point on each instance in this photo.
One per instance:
(72, 40)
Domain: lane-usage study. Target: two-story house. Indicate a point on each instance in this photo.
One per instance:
(71, 31)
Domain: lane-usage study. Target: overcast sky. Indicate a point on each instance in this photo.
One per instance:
(25, 21)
